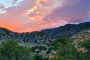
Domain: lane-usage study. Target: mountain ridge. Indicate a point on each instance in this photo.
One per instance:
(68, 29)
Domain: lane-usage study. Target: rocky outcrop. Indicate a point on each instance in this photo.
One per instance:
(77, 41)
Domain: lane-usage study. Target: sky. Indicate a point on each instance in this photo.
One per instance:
(36, 15)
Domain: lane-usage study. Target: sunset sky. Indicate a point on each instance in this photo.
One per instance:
(35, 15)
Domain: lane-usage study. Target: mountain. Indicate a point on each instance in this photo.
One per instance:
(5, 33)
(68, 29)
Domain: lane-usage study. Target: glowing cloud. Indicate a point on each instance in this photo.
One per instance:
(3, 11)
(35, 15)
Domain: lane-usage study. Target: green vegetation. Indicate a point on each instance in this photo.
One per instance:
(38, 47)
(39, 57)
(10, 50)
(66, 50)
(49, 50)
(86, 44)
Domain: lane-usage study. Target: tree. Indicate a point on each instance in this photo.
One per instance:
(49, 50)
(86, 45)
(9, 49)
(65, 49)
(25, 52)
(62, 42)
(38, 57)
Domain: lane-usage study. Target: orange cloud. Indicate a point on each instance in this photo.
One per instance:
(35, 15)
(7, 25)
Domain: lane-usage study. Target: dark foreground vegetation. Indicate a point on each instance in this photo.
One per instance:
(10, 50)
(65, 50)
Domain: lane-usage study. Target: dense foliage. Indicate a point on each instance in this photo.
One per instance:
(66, 50)
(10, 50)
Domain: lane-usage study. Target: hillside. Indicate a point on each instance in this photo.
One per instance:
(77, 41)
(68, 29)
(5, 33)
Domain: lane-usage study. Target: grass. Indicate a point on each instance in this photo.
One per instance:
(36, 44)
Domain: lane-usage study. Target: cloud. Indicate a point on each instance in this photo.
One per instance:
(14, 13)
(15, 0)
(1, 6)
(32, 15)
(70, 12)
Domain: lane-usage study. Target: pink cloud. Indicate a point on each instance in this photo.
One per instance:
(46, 14)
(14, 13)
(70, 12)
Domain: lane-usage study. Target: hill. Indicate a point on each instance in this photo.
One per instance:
(68, 29)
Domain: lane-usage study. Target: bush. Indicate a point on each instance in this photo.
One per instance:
(38, 57)
(49, 50)
(38, 47)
